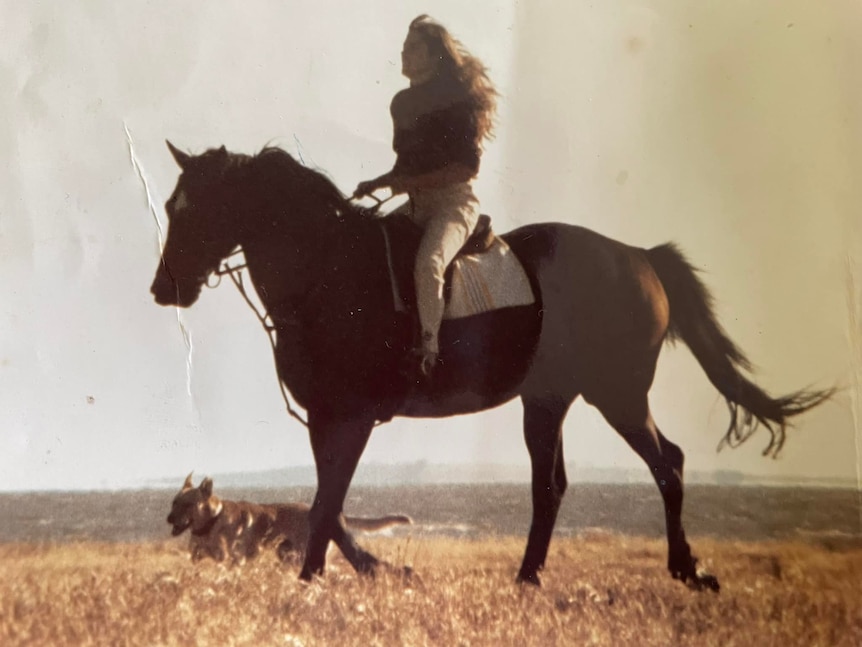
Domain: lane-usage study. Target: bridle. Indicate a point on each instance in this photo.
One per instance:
(235, 273)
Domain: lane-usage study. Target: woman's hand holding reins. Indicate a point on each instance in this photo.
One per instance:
(367, 188)
(370, 186)
(390, 181)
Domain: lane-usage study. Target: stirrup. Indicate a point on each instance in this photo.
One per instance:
(424, 360)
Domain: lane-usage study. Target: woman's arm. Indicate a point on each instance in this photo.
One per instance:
(370, 186)
(399, 183)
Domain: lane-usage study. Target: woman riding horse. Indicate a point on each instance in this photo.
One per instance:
(439, 124)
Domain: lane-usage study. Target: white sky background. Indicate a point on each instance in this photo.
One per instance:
(733, 129)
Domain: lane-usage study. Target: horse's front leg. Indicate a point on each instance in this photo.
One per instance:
(337, 444)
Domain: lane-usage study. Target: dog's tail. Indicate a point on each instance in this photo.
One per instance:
(377, 523)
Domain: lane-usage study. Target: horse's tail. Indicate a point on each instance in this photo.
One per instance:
(692, 319)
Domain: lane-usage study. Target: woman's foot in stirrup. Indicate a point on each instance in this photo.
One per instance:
(427, 362)
(426, 356)
(423, 362)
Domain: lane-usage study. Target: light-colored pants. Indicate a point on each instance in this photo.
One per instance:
(448, 216)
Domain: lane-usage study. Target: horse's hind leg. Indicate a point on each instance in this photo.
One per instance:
(632, 419)
(337, 445)
(543, 420)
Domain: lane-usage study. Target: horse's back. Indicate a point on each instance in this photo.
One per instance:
(578, 260)
(584, 249)
(603, 307)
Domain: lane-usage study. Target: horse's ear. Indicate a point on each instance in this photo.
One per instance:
(188, 485)
(181, 158)
(207, 486)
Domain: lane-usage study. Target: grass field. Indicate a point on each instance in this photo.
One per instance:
(599, 588)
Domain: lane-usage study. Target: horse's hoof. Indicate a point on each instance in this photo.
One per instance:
(307, 574)
(698, 581)
(406, 573)
(683, 567)
(407, 576)
(529, 578)
(704, 582)
(367, 564)
(369, 569)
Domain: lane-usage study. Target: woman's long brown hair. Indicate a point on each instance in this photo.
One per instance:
(463, 68)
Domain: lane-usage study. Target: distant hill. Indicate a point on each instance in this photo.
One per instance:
(423, 473)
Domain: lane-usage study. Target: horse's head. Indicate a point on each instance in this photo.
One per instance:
(200, 228)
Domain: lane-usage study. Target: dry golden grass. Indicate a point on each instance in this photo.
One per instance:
(598, 589)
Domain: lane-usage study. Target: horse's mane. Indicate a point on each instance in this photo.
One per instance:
(278, 171)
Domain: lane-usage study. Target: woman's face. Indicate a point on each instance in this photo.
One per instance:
(417, 64)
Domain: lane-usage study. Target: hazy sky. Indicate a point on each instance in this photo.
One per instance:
(732, 128)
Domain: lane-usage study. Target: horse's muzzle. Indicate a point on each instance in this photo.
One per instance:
(168, 292)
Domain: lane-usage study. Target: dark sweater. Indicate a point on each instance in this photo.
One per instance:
(433, 127)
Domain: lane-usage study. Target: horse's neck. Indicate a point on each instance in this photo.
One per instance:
(285, 263)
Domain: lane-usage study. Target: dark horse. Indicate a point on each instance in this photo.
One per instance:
(603, 312)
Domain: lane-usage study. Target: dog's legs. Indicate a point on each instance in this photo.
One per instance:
(287, 551)
(244, 540)
(218, 551)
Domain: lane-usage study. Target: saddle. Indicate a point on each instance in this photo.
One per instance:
(483, 276)
(481, 239)
(399, 226)
(403, 236)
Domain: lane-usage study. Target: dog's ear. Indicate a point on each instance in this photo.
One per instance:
(215, 505)
(207, 486)
(188, 484)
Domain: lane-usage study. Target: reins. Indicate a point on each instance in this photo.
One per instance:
(373, 211)
(235, 274)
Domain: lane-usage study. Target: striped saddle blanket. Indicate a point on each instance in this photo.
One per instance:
(486, 275)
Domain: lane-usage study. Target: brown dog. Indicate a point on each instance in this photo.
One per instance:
(239, 529)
